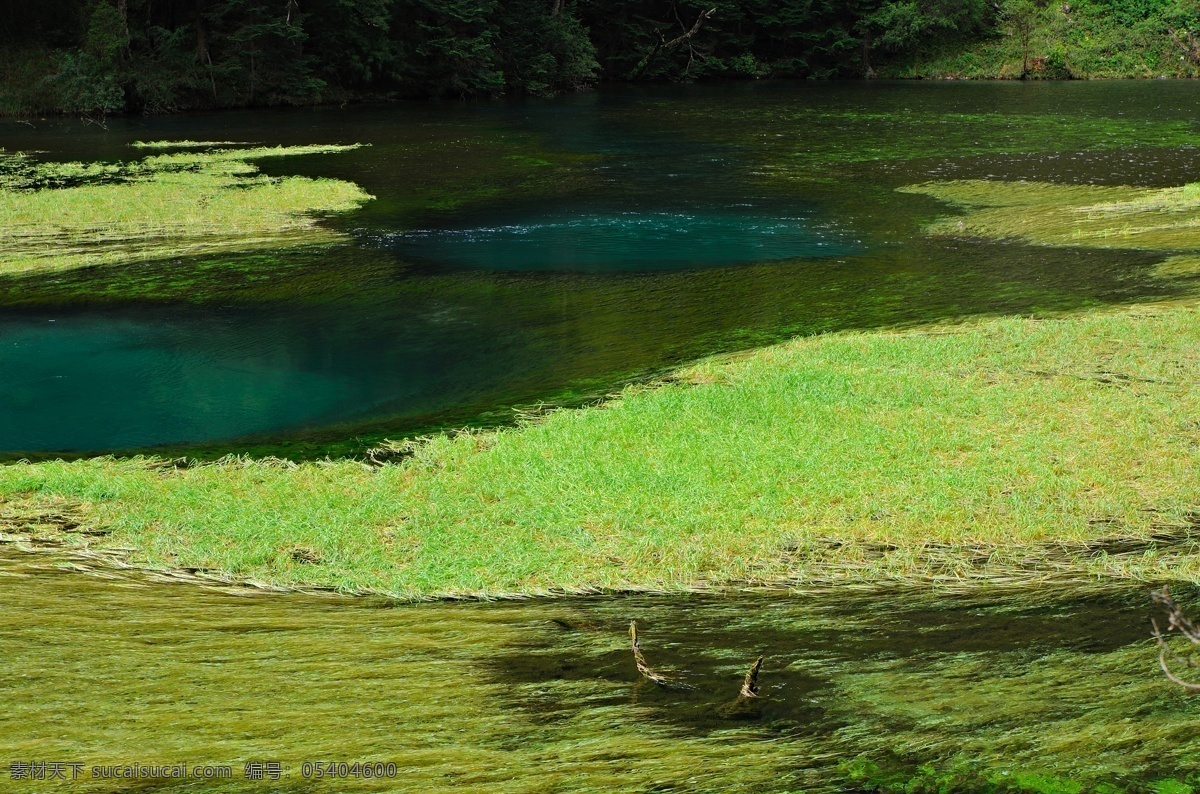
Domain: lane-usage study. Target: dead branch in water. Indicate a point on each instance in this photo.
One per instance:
(750, 685)
(746, 706)
(645, 669)
(1176, 621)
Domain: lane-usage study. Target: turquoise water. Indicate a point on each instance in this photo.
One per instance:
(540, 250)
(627, 241)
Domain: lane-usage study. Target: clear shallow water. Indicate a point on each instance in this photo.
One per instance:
(626, 241)
(526, 251)
(545, 696)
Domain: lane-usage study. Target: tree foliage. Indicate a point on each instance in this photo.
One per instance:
(162, 55)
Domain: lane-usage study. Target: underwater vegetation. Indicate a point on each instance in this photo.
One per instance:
(1148, 219)
(1144, 219)
(59, 216)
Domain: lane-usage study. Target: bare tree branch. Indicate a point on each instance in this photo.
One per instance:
(700, 20)
(1187, 42)
(1176, 621)
(663, 44)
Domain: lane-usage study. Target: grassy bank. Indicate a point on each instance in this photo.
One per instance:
(59, 216)
(1000, 449)
(1083, 40)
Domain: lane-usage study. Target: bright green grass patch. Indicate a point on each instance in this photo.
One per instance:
(1004, 448)
(1147, 219)
(57, 216)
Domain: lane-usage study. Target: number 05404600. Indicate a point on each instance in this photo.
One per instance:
(344, 769)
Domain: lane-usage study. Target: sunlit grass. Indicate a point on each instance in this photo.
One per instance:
(996, 450)
(1080, 40)
(57, 216)
(1147, 219)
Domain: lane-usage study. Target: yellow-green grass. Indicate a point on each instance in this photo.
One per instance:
(55, 217)
(999, 449)
(1147, 219)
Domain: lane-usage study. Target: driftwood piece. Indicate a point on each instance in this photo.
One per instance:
(1176, 621)
(649, 673)
(747, 705)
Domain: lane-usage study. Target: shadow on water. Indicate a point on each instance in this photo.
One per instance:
(708, 644)
(545, 695)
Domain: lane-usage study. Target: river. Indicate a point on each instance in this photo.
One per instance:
(110, 668)
(534, 251)
(550, 250)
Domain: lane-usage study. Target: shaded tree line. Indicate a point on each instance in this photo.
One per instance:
(163, 55)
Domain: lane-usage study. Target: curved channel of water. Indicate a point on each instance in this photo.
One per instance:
(525, 251)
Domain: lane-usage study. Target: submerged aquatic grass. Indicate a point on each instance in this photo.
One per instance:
(1148, 219)
(856, 692)
(998, 450)
(61, 216)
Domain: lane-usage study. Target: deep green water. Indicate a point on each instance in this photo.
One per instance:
(1040, 690)
(551, 249)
